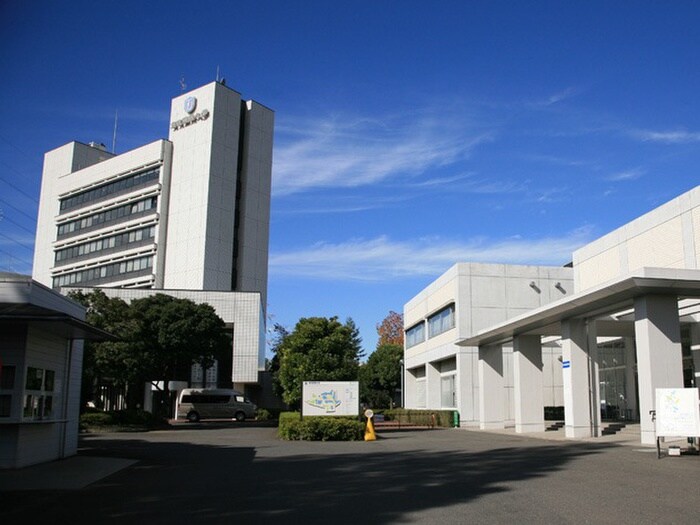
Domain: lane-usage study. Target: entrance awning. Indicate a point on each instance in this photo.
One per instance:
(607, 298)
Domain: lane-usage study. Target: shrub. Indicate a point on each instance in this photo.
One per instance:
(97, 419)
(263, 414)
(121, 418)
(292, 428)
(443, 418)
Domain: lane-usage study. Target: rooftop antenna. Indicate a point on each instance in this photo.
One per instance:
(183, 86)
(114, 136)
(217, 73)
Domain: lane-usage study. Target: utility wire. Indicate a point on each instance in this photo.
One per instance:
(13, 256)
(31, 249)
(15, 187)
(33, 219)
(6, 218)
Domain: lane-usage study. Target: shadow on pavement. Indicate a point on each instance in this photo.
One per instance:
(195, 483)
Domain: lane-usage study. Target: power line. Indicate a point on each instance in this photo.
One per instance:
(33, 219)
(15, 187)
(31, 249)
(13, 256)
(6, 218)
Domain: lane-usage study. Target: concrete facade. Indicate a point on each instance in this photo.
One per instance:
(482, 295)
(187, 216)
(627, 326)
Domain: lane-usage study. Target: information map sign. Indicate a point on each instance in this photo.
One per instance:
(677, 412)
(330, 398)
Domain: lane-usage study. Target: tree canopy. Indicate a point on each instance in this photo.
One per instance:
(318, 349)
(380, 376)
(390, 330)
(157, 334)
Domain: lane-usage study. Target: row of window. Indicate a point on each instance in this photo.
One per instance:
(102, 272)
(107, 216)
(39, 387)
(108, 189)
(122, 239)
(438, 323)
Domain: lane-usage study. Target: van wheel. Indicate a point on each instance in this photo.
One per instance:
(240, 416)
(192, 417)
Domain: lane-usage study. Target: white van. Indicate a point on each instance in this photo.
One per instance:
(199, 403)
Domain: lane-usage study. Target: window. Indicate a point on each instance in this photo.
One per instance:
(442, 321)
(106, 243)
(114, 270)
(7, 382)
(415, 335)
(38, 399)
(109, 216)
(111, 188)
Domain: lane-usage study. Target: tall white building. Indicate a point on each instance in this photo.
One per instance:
(187, 216)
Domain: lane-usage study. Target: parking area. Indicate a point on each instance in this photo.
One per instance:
(233, 473)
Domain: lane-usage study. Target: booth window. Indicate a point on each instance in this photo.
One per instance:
(7, 382)
(38, 398)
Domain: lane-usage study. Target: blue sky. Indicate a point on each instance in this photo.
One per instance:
(409, 135)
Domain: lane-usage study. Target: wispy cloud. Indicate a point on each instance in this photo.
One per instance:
(351, 152)
(559, 96)
(666, 137)
(382, 259)
(631, 174)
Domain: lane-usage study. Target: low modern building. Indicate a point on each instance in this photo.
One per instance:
(41, 343)
(597, 338)
(186, 216)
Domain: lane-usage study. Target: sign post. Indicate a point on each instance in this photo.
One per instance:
(677, 413)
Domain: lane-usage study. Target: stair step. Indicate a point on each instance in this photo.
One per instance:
(554, 426)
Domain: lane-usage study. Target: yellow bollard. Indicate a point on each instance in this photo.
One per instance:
(369, 429)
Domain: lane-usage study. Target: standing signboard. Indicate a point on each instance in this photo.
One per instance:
(330, 398)
(677, 412)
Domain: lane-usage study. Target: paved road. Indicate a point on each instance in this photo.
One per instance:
(243, 474)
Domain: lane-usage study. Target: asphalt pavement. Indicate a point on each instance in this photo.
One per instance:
(241, 473)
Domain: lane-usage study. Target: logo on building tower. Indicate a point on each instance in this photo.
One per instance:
(190, 104)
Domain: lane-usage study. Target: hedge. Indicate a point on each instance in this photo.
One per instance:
(319, 428)
(125, 418)
(443, 418)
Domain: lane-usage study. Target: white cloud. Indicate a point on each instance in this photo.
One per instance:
(631, 174)
(352, 152)
(667, 137)
(383, 259)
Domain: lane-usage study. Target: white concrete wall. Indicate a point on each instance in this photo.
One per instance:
(666, 237)
(484, 295)
(57, 183)
(256, 187)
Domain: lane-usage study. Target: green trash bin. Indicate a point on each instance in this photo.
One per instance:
(455, 419)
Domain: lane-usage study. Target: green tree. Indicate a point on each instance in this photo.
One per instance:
(172, 334)
(318, 349)
(380, 377)
(157, 336)
(108, 362)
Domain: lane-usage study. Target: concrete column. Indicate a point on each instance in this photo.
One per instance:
(695, 351)
(630, 379)
(491, 393)
(659, 357)
(432, 386)
(577, 409)
(594, 379)
(527, 383)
